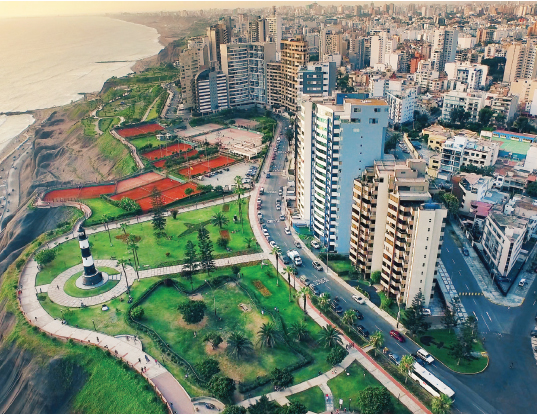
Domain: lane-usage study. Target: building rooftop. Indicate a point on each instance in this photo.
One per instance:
(371, 102)
(504, 222)
(495, 197)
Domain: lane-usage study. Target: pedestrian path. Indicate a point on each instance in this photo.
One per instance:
(450, 293)
(328, 397)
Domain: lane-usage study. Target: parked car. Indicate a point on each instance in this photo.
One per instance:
(282, 217)
(465, 251)
(265, 232)
(286, 260)
(361, 329)
(259, 215)
(316, 265)
(262, 190)
(533, 333)
(425, 356)
(304, 279)
(278, 207)
(397, 335)
(426, 312)
(298, 245)
(315, 244)
(272, 244)
(358, 314)
(522, 283)
(287, 231)
(268, 175)
(396, 359)
(359, 299)
(334, 305)
(315, 290)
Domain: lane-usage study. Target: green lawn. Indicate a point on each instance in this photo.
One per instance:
(313, 399)
(152, 251)
(341, 267)
(153, 111)
(439, 347)
(71, 289)
(140, 142)
(348, 386)
(105, 124)
(99, 207)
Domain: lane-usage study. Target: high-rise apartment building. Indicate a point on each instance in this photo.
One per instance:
(402, 105)
(521, 61)
(357, 51)
(471, 102)
(473, 75)
(256, 30)
(396, 229)
(274, 29)
(218, 34)
(381, 45)
(330, 43)
(335, 144)
(294, 54)
(211, 93)
(444, 47)
(317, 79)
(190, 62)
(274, 84)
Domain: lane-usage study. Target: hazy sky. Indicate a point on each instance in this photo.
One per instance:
(48, 8)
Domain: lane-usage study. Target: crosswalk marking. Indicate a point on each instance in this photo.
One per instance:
(471, 294)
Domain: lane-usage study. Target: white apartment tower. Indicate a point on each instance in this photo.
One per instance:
(521, 61)
(444, 47)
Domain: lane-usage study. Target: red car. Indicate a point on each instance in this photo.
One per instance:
(395, 334)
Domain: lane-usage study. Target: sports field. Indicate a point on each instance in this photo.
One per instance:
(169, 196)
(140, 130)
(202, 129)
(79, 193)
(166, 151)
(206, 166)
(517, 147)
(144, 190)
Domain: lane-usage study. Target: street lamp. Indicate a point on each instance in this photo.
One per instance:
(94, 328)
(214, 296)
(350, 404)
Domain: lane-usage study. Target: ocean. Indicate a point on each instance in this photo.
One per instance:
(50, 61)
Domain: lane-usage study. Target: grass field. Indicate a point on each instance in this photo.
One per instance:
(71, 289)
(105, 124)
(442, 341)
(140, 142)
(99, 207)
(152, 250)
(348, 386)
(516, 147)
(313, 399)
(153, 111)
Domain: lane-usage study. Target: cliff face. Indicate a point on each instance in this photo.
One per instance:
(168, 54)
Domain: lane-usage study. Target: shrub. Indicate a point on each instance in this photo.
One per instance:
(193, 311)
(221, 387)
(137, 313)
(336, 355)
(375, 277)
(207, 368)
(281, 378)
(222, 242)
(45, 256)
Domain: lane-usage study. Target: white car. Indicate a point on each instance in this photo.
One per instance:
(426, 312)
(265, 232)
(282, 218)
(259, 215)
(278, 207)
(358, 299)
(273, 244)
(315, 244)
(317, 266)
(423, 354)
(287, 231)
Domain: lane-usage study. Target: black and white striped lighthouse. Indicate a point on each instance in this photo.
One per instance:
(91, 275)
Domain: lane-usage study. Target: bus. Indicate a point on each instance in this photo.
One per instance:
(429, 382)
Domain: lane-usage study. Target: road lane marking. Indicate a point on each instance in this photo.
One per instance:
(476, 318)
(488, 316)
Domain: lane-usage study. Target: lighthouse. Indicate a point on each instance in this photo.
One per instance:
(91, 276)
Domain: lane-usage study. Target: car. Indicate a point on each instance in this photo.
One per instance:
(298, 245)
(533, 333)
(268, 175)
(282, 217)
(262, 190)
(503, 279)
(280, 193)
(286, 260)
(397, 335)
(315, 244)
(358, 314)
(426, 312)
(261, 220)
(362, 331)
(287, 231)
(424, 355)
(272, 244)
(264, 226)
(278, 207)
(259, 215)
(259, 200)
(358, 299)
(226, 169)
(315, 290)
(465, 251)
(396, 359)
(304, 279)
(265, 232)
(259, 206)
(278, 139)
(316, 265)
(522, 283)
(334, 305)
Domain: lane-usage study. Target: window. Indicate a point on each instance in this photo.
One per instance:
(373, 120)
(377, 110)
(357, 109)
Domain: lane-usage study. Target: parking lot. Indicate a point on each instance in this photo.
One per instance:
(227, 178)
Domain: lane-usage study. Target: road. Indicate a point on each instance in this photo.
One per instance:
(466, 399)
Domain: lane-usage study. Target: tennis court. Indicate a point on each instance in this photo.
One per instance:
(206, 166)
(202, 129)
(166, 151)
(79, 193)
(169, 196)
(138, 181)
(246, 123)
(139, 130)
(517, 147)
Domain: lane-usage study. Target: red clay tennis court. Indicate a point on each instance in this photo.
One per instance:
(144, 191)
(162, 163)
(166, 151)
(134, 194)
(79, 193)
(206, 166)
(140, 180)
(168, 196)
(140, 130)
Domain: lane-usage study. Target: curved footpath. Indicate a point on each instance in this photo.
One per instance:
(165, 385)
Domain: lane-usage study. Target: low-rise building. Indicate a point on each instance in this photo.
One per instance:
(471, 102)
(524, 207)
(396, 229)
(437, 135)
(402, 106)
(470, 188)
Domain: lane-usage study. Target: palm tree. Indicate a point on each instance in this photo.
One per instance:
(124, 228)
(441, 405)
(406, 364)
(133, 246)
(349, 317)
(239, 191)
(123, 262)
(219, 219)
(289, 270)
(238, 345)
(329, 337)
(299, 331)
(304, 293)
(269, 335)
(106, 219)
(274, 251)
(249, 241)
(376, 340)
(324, 300)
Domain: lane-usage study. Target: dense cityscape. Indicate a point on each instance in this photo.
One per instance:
(302, 208)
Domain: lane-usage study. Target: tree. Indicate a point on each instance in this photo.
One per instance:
(213, 338)
(414, 319)
(329, 337)
(106, 219)
(235, 269)
(239, 191)
(137, 313)
(386, 303)
(219, 220)
(349, 317)
(294, 407)
(158, 221)
(191, 257)
(449, 320)
(205, 246)
(174, 212)
(457, 350)
(374, 400)
(129, 204)
(238, 345)
(45, 256)
(336, 355)
(521, 124)
(451, 202)
(299, 331)
(500, 119)
(188, 191)
(207, 368)
(222, 242)
(269, 335)
(304, 292)
(275, 252)
(468, 334)
(405, 365)
(324, 301)
(281, 378)
(264, 406)
(375, 277)
(221, 387)
(441, 404)
(485, 115)
(391, 142)
(132, 245)
(234, 409)
(376, 340)
(249, 241)
(193, 311)
(532, 189)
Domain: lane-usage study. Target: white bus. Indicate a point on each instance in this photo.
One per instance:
(429, 382)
